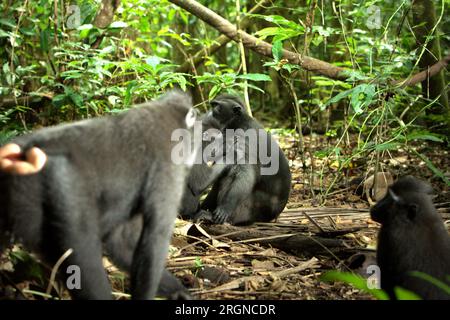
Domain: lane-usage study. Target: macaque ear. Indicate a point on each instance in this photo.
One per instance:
(395, 197)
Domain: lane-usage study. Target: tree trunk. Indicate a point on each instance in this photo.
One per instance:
(424, 19)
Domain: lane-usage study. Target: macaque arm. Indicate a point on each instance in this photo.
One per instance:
(213, 173)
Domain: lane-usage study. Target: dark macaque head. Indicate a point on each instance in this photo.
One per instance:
(407, 201)
(227, 107)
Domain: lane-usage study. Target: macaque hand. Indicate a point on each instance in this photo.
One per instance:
(10, 161)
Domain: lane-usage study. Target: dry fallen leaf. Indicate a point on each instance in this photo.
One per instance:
(376, 186)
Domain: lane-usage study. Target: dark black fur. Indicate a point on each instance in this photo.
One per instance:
(100, 173)
(412, 238)
(241, 195)
(201, 175)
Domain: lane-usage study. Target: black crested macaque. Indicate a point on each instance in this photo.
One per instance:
(69, 186)
(412, 238)
(244, 193)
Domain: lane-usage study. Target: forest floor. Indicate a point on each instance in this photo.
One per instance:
(280, 260)
(284, 259)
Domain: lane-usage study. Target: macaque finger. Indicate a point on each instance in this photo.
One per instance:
(11, 150)
(9, 160)
(37, 158)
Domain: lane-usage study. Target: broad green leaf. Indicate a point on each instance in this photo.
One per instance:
(3, 34)
(278, 20)
(255, 77)
(214, 91)
(424, 136)
(362, 96)
(278, 33)
(85, 27)
(277, 50)
(76, 99)
(432, 280)
(433, 168)
(118, 24)
(8, 22)
(387, 146)
(355, 280)
(403, 294)
(129, 92)
(354, 75)
(6, 69)
(255, 87)
(59, 100)
(268, 32)
(337, 98)
(44, 40)
(153, 61)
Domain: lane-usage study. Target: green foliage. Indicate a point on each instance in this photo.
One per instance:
(355, 280)
(87, 71)
(362, 284)
(432, 280)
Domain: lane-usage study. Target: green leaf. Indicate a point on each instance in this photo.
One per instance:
(424, 136)
(278, 33)
(44, 40)
(129, 92)
(214, 91)
(354, 75)
(277, 50)
(337, 98)
(387, 146)
(76, 99)
(362, 96)
(3, 34)
(85, 27)
(8, 22)
(432, 280)
(355, 280)
(268, 32)
(6, 69)
(59, 100)
(278, 20)
(403, 294)
(118, 24)
(153, 61)
(85, 30)
(433, 168)
(255, 77)
(290, 67)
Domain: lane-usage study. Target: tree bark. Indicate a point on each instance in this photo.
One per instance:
(295, 242)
